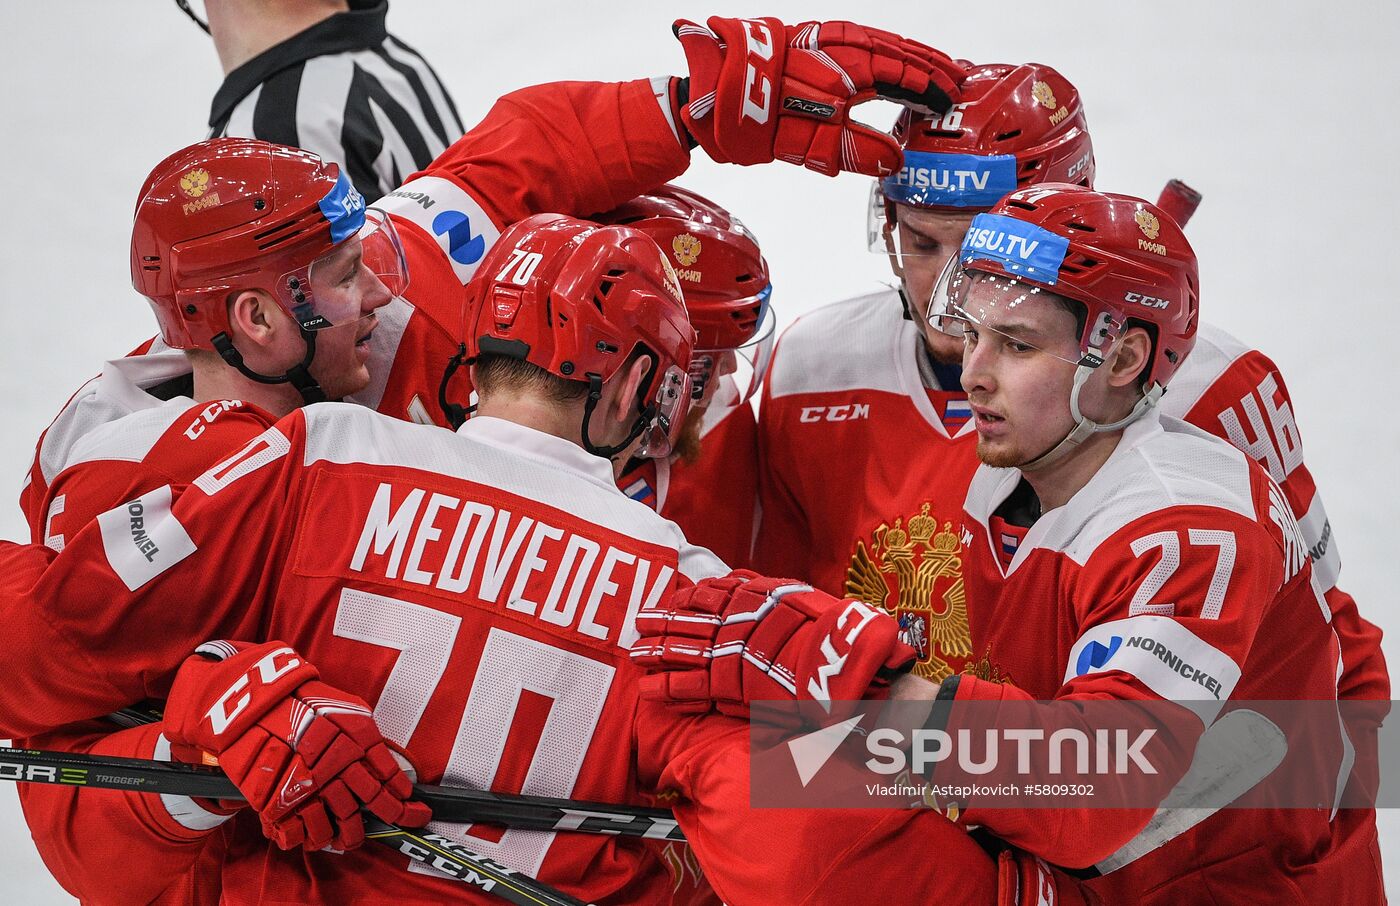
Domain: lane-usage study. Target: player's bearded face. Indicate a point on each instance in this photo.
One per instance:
(1018, 371)
(925, 239)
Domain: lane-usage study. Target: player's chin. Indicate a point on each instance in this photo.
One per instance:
(998, 453)
(346, 382)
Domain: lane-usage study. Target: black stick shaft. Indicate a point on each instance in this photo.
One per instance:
(448, 803)
(98, 772)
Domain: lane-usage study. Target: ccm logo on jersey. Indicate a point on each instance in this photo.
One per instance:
(207, 416)
(270, 667)
(836, 647)
(844, 413)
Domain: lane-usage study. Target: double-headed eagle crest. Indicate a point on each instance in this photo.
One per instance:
(915, 574)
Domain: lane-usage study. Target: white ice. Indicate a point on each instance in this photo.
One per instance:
(1283, 113)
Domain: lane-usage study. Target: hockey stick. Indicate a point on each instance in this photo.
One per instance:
(438, 852)
(1179, 200)
(455, 804)
(1237, 752)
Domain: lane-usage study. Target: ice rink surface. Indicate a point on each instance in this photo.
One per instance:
(1283, 113)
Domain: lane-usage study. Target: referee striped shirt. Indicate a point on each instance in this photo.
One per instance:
(349, 91)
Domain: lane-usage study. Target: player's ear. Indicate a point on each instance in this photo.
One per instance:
(1131, 358)
(631, 380)
(254, 316)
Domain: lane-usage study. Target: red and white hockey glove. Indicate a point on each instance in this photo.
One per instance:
(307, 756)
(761, 91)
(731, 641)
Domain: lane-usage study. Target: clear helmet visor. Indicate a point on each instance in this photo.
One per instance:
(1020, 314)
(918, 241)
(672, 402)
(732, 376)
(338, 287)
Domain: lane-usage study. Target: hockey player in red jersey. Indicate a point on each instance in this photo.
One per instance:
(708, 487)
(94, 462)
(865, 376)
(1076, 309)
(482, 592)
(856, 375)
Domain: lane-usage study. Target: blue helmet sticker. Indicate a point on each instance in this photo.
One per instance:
(1020, 248)
(344, 208)
(952, 180)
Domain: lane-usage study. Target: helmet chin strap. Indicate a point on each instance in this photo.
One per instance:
(1085, 427)
(299, 375)
(595, 393)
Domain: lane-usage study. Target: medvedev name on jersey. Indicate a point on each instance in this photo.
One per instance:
(560, 578)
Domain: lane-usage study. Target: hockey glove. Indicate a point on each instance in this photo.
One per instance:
(307, 756)
(742, 638)
(761, 90)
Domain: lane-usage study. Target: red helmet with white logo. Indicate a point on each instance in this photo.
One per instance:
(229, 214)
(575, 299)
(722, 272)
(1016, 126)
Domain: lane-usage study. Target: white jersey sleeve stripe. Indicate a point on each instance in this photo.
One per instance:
(1162, 654)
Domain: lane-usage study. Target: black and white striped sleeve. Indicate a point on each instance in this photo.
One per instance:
(380, 112)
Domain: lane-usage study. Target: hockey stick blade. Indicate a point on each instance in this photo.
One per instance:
(1232, 757)
(451, 804)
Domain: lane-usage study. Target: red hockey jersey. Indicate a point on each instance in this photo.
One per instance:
(115, 462)
(863, 473)
(844, 378)
(479, 587)
(124, 432)
(1237, 393)
(1181, 539)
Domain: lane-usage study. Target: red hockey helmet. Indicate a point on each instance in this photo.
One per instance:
(231, 213)
(1019, 125)
(576, 299)
(1122, 258)
(1016, 126)
(722, 272)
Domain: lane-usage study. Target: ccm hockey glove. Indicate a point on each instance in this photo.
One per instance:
(731, 641)
(761, 91)
(306, 756)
